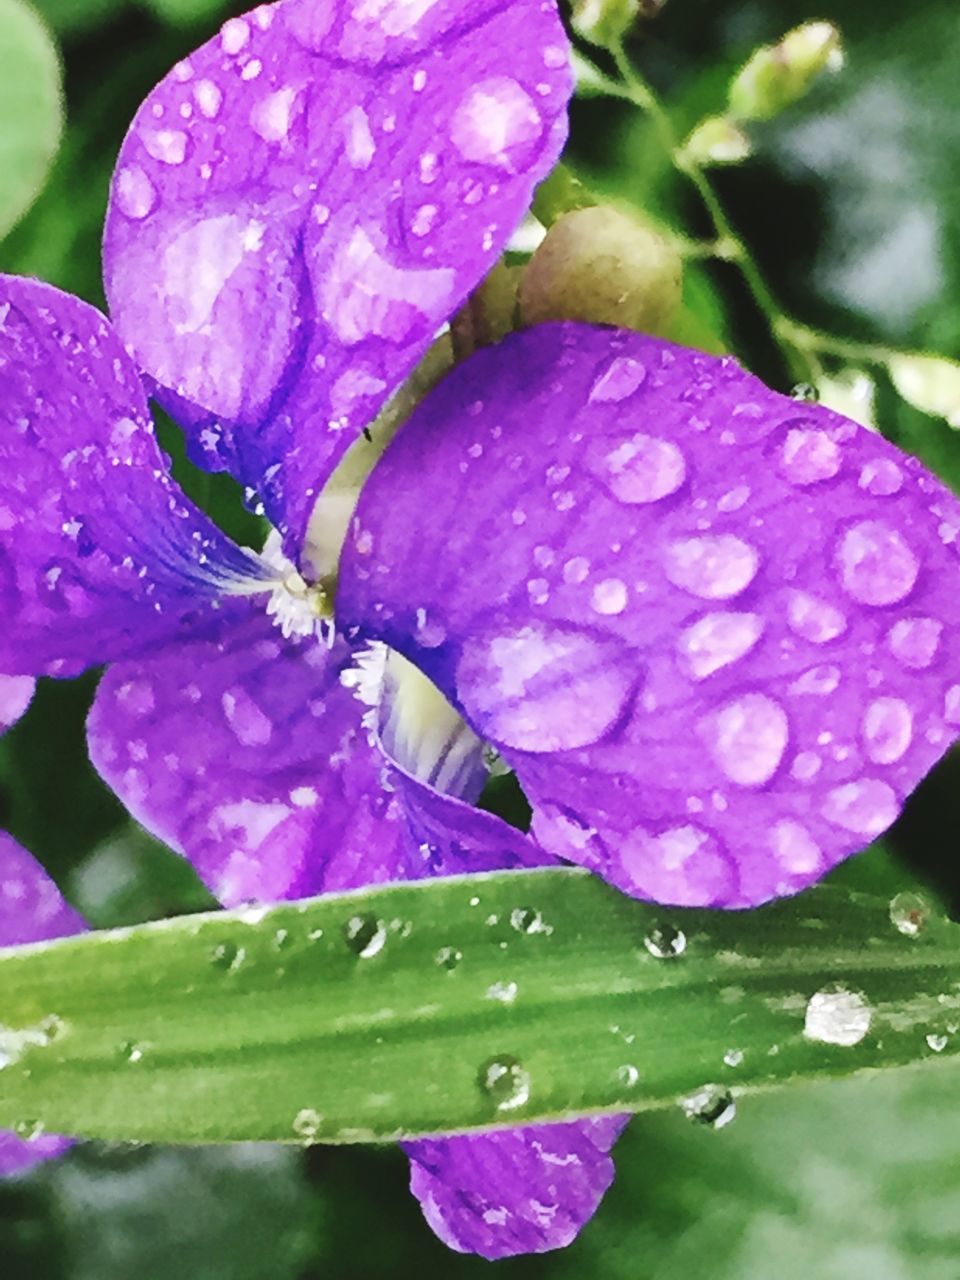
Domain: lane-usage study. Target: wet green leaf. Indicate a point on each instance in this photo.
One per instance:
(461, 1003)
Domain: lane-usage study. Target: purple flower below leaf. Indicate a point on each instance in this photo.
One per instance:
(31, 910)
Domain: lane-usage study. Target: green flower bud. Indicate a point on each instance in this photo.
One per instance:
(717, 140)
(778, 75)
(604, 22)
(929, 383)
(603, 266)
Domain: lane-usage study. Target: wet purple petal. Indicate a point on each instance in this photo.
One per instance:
(100, 554)
(713, 628)
(300, 204)
(31, 910)
(248, 755)
(15, 695)
(516, 1191)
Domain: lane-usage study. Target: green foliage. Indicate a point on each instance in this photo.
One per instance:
(31, 108)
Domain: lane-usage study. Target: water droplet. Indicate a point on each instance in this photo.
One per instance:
(865, 807)
(132, 1051)
(271, 117)
(642, 469)
(234, 35)
(136, 195)
(747, 738)
(836, 1015)
(733, 1057)
(887, 729)
(714, 567)
(528, 920)
(365, 935)
(505, 1082)
(665, 941)
(228, 956)
(32, 1130)
(915, 641)
(875, 564)
(815, 620)
(794, 847)
(716, 640)
(505, 992)
(628, 1075)
(448, 958)
(169, 146)
(621, 378)
(937, 1042)
(909, 913)
(881, 477)
(497, 123)
(711, 1105)
(809, 456)
(306, 1125)
(609, 597)
(805, 391)
(209, 98)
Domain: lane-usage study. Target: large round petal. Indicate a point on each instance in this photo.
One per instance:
(714, 629)
(516, 1191)
(100, 554)
(15, 695)
(300, 204)
(31, 910)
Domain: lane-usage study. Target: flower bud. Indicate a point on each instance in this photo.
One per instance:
(929, 383)
(604, 22)
(603, 266)
(717, 140)
(778, 75)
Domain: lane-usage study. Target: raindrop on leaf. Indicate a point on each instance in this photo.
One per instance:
(365, 935)
(505, 1082)
(711, 1105)
(665, 942)
(910, 913)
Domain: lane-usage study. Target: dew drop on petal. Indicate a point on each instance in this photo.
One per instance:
(815, 620)
(496, 123)
(887, 729)
(711, 1105)
(609, 597)
(713, 567)
(794, 847)
(169, 146)
(250, 725)
(135, 194)
(234, 35)
(838, 1016)
(643, 469)
(808, 456)
(875, 564)
(621, 378)
(209, 98)
(881, 477)
(865, 807)
(505, 1082)
(716, 640)
(747, 738)
(914, 641)
(270, 118)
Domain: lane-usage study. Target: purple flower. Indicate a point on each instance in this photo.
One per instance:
(711, 628)
(15, 695)
(31, 910)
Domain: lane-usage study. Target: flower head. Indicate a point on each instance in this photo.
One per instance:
(709, 627)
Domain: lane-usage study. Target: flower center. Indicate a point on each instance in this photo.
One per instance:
(299, 608)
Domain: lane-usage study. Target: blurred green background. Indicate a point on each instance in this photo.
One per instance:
(849, 204)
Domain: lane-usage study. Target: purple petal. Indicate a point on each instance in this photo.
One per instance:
(100, 554)
(301, 203)
(714, 629)
(31, 910)
(516, 1191)
(15, 695)
(248, 755)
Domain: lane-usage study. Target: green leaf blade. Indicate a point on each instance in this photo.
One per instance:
(350, 1019)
